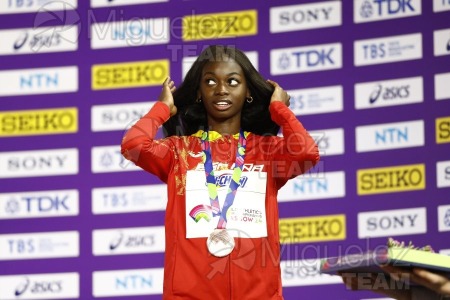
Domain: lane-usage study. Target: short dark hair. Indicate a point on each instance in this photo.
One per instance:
(191, 116)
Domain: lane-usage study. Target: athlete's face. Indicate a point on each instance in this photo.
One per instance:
(223, 90)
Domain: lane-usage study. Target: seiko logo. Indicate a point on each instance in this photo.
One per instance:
(131, 241)
(198, 27)
(321, 228)
(389, 93)
(129, 74)
(443, 130)
(38, 287)
(38, 121)
(381, 180)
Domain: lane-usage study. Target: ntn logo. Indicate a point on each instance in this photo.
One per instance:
(391, 135)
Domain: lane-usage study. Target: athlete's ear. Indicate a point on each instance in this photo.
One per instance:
(248, 93)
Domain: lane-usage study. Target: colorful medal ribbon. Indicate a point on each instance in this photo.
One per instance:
(211, 179)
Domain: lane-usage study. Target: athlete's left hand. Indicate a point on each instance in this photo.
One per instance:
(279, 94)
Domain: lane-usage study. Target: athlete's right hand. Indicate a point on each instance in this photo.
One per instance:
(166, 96)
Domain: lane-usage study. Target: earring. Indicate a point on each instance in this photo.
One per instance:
(249, 99)
(198, 100)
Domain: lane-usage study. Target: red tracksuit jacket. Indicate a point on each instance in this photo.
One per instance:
(252, 270)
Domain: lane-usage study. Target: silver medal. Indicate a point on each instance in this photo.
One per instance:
(220, 243)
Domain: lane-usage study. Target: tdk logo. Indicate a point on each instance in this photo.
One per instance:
(310, 58)
(39, 204)
(225, 179)
(47, 203)
(306, 59)
(375, 10)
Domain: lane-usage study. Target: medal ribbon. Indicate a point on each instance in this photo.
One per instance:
(211, 179)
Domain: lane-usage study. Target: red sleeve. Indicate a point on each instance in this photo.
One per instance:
(140, 147)
(296, 152)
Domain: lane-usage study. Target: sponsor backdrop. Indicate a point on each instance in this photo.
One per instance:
(369, 78)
